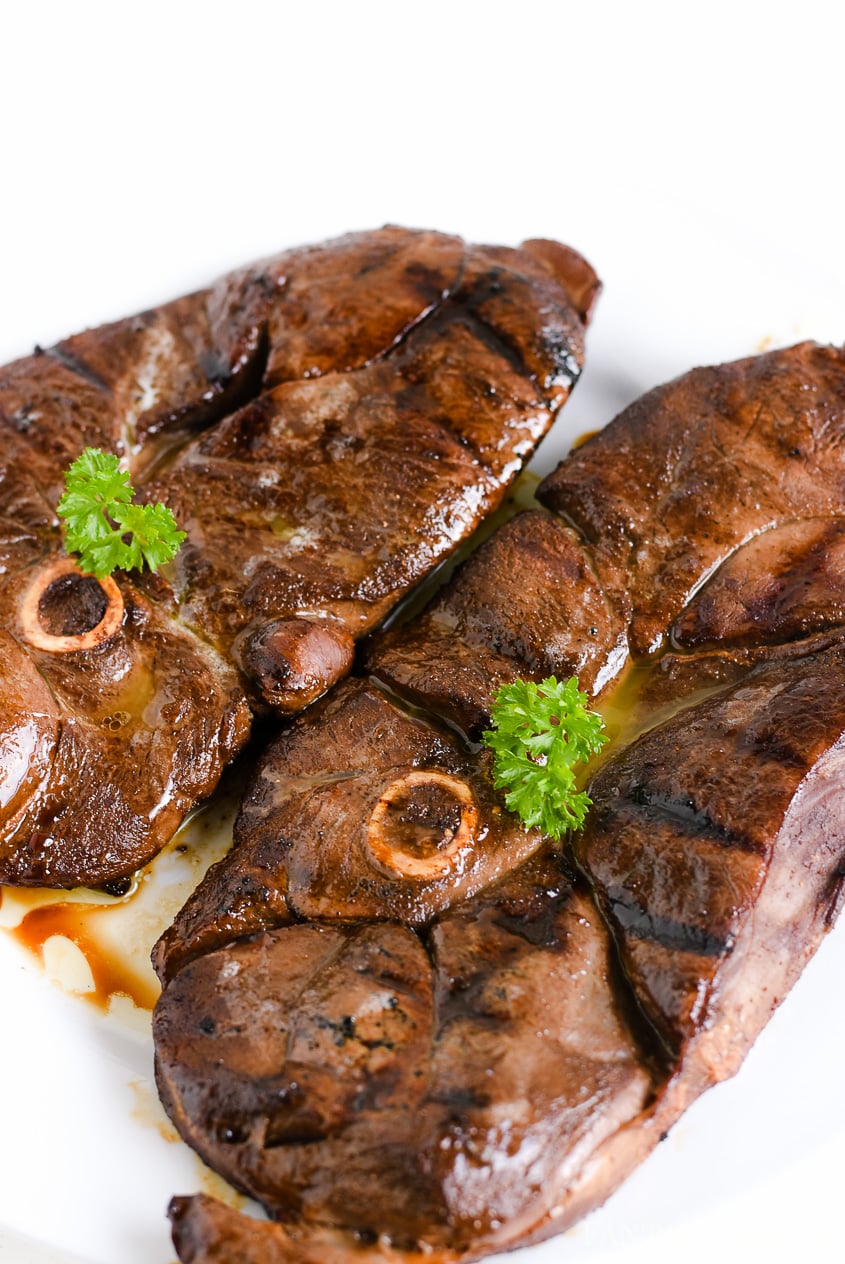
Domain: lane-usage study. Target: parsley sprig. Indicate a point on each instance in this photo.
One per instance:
(104, 527)
(540, 733)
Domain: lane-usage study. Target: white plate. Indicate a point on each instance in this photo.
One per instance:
(88, 1163)
(691, 152)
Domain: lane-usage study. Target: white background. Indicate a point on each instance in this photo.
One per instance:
(694, 152)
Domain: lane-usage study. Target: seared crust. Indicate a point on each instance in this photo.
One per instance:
(304, 836)
(695, 469)
(364, 1068)
(327, 426)
(526, 605)
(148, 697)
(347, 479)
(557, 1013)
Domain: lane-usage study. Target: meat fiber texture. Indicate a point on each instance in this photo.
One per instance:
(413, 1028)
(327, 426)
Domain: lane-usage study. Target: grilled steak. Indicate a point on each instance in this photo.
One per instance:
(335, 491)
(696, 469)
(392, 1009)
(444, 1087)
(327, 425)
(715, 847)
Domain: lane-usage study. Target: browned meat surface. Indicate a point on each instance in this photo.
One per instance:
(327, 426)
(695, 469)
(780, 586)
(367, 457)
(365, 812)
(206, 1231)
(447, 1088)
(509, 1050)
(105, 749)
(716, 843)
(527, 604)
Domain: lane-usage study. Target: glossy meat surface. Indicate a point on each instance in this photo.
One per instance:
(365, 1067)
(369, 455)
(206, 1231)
(527, 604)
(695, 469)
(78, 726)
(715, 841)
(366, 811)
(327, 426)
(572, 1002)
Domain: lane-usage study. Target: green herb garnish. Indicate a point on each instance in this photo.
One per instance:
(103, 526)
(540, 733)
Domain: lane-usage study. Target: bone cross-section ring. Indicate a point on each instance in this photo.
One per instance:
(32, 613)
(388, 822)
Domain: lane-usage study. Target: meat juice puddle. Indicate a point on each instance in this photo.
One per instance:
(97, 946)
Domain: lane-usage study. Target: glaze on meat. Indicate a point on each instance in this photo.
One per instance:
(327, 425)
(454, 1059)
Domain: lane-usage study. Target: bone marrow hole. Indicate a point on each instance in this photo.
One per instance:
(421, 823)
(71, 605)
(65, 610)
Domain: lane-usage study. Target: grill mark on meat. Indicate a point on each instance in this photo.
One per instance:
(425, 317)
(680, 936)
(777, 750)
(491, 338)
(658, 1053)
(301, 1134)
(413, 393)
(225, 396)
(836, 898)
(565, 362)
(664, 839)
(686, 813)
(402, 568)
(78, 366)
(285, 331)
(780, 778)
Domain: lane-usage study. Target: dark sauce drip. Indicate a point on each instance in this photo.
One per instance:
(111, 977)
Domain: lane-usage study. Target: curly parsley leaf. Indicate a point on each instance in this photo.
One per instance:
(104, 527)
(540, 733)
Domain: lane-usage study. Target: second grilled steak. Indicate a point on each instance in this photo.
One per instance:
(524, 1021)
